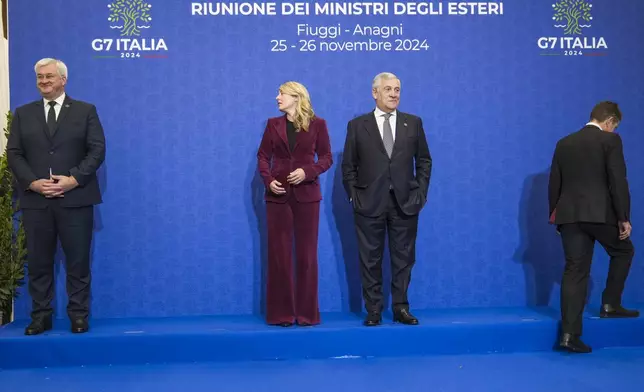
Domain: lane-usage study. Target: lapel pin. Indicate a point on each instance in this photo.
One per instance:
(405, 124)
(67, 105)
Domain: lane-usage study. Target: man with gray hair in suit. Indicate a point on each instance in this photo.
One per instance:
(386, 168)
(55, 147)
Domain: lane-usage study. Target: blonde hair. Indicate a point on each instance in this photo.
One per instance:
(303, 109)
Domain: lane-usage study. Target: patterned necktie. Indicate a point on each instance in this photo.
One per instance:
(51, 117)
(387, 135)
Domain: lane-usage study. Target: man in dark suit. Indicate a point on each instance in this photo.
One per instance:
(385, 170)
(590, 200)
(55, 146)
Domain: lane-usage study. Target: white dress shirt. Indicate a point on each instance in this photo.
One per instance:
(57, 107)
(380, 120)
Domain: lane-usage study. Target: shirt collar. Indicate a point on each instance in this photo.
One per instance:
(379, 113)
(594, 124)
(58, 100)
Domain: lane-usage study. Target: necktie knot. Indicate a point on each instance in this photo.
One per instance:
(387, 116)
(52, 103)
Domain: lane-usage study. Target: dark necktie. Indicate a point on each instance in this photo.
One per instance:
(51, 117)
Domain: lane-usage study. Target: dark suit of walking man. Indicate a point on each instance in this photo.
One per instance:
(590, 201)
(55, 146)
(385, 169)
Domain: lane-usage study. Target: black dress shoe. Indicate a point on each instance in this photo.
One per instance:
(80, 326)
(372, 319)
(38, 326)
(573, 344)
(403, 316)
(608, 311)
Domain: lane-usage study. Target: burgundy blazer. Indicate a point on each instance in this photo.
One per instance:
(275, 160)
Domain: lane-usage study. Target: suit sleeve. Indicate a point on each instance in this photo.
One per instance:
(323, 150)
(554, 184)
(95, 144)
(618, 183)
(350, 162)
(423, 160)
(264, 157)
(16, 155)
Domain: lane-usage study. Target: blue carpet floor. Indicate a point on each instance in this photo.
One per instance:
(473, 350)
(603, 370)
(247, 338)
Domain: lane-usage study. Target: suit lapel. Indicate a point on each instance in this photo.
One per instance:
(63, 113)
(401, 131)
(371, 126)
(39, 110)
(280, 128)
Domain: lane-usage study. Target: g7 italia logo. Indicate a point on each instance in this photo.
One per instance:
(130, 19)
(573, 18)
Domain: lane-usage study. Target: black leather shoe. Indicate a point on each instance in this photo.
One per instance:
(80, 326)
(38, 326)
(608, 311)
(573, 344)
(403, 316)
(372, 319)
(285, 324)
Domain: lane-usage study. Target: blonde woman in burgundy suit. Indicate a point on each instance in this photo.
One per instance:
(286, 161)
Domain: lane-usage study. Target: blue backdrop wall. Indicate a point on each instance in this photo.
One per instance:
(184, 103)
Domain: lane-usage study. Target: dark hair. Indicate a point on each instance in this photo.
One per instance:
(605, 110)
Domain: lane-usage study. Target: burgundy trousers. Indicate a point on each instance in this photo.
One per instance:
(292, 288)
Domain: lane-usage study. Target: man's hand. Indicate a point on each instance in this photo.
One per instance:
(42, 186)
(296, 177)
(276, 188)
(56, 186)
(625, 229)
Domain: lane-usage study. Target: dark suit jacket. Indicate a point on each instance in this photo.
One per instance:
(367, 171)
(276, 161)
(77, 148)
(588, 179)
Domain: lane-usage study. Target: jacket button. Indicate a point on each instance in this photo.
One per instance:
(51, 153)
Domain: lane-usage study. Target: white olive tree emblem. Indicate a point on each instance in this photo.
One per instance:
(572, 11)
(129, 16)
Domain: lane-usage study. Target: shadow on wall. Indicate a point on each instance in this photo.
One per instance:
(540, 250)
(256, 212)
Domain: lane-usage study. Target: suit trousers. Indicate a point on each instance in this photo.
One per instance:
(43, 227)
(401, 230)
(292, 296)
(578, 243)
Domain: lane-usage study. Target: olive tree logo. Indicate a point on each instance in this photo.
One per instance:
(572, 11)
(128, 13)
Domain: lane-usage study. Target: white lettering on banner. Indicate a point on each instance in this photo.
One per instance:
(346, 8)
(330, 37)
(572, 43)
(129, 44)
(352, 9)
(378, 31)
(418, 9)
(234, 9)
(319, 31)
(472, 8)
(295, 8)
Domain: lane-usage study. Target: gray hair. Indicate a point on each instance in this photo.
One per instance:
(62, 68)
(380, 77)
